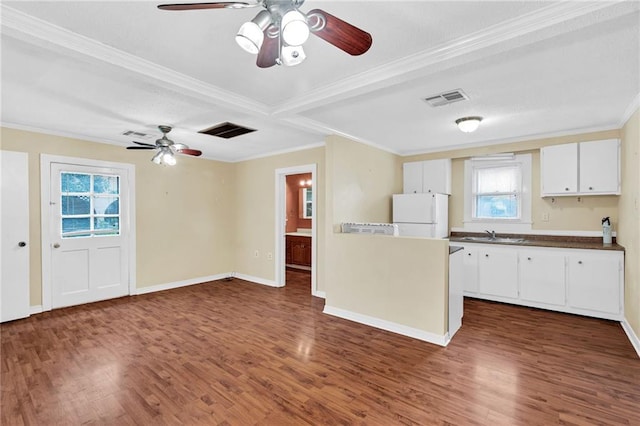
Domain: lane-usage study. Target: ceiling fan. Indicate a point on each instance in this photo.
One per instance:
(166, 148)
(277, 32)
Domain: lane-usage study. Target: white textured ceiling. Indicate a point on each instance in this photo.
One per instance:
(95, 69)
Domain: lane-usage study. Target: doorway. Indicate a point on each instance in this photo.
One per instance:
(88, 231)
(296, 223)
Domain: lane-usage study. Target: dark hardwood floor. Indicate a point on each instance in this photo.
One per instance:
(236, 353)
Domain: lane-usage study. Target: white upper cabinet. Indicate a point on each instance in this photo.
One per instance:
(599, 167)
(585, 168)
(433, 176)
(559, 169)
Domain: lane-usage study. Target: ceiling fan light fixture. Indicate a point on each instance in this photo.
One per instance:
(295, 30)
(292, 55)
(168, 158)
(157, 158)
(251, 34)
(468, 124)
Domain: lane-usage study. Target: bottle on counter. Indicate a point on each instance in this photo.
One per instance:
(606, 231)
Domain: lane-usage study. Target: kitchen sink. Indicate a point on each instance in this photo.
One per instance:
(489, 239)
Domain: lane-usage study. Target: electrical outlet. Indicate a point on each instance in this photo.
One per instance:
(545, 217)
(269, 256)
(256, 253)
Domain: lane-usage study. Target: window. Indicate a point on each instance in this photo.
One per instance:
(498, 193)
(307, 203)
(90, 205)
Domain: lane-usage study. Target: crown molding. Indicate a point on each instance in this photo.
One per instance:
(517, 139)
(628, 112)
(31, 29)
(401, 70)
(280, 152)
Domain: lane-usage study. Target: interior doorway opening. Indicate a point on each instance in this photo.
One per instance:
(296, 223)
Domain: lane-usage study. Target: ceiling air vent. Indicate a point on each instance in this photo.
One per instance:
(137, 135)
(446, 98)
(227, 130)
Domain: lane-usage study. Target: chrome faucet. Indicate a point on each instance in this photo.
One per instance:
(492, 234)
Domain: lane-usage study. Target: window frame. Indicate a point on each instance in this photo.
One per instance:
(475, 224)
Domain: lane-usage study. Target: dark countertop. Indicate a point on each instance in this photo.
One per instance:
(453, 249)
(570, 242)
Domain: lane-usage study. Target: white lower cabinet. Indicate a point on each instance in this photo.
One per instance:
(470, 270)
(593, 282)
(542, 277)
(578, 281)
(498, 272)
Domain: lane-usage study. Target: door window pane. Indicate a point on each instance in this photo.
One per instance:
(75, 204)
(75, 182)
(89, 205)
(106, 184)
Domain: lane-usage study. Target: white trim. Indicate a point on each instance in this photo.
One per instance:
(280, 152)
(512, 140)
(562, 233)
(22, 25)
(633, 337)
(46, 160)
(320, 294)
(178, 284)
(256, 280)
(35, 309)
(393, 327)
(404, 69)
(280, 224)
(631, 108)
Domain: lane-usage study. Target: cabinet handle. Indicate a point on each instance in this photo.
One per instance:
(528, 258)
(486, 255)
(566, 189)
(468, 254)
(579, 262)
(591, 188)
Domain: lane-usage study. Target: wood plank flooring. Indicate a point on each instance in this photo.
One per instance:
(236, 353)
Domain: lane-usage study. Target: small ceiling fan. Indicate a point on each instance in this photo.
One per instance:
(277, 32)
(166, 148)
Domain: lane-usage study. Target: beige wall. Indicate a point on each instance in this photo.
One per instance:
(565, 213)
(174, 242)
(629, 227)
(255, 211)
(396, 279)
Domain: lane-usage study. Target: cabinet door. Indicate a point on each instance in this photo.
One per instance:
(412, 177)
(436, 176)
(288, 250)
(498, 272)
(594, 282)
(559, 169)
(470, 270)
(599, 167)
(542, 277)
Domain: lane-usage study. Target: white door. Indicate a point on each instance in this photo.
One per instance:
(14, 294)
(89, 234)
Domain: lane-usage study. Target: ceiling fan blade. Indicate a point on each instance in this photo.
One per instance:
(145, 144)
(268, 53)
(210, 5)
(189, 151)
(141, 147)
(341, 34)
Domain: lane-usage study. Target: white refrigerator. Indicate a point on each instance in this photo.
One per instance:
(421, 215)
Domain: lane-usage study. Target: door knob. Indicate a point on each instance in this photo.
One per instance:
(22, 244)
(56, 245)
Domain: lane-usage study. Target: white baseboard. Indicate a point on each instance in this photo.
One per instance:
(256, 280)
(177, 284)
(436, 339)
(320, 294)
(37, 309)
(633, 337)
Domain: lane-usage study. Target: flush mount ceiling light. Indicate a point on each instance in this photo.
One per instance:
(277, 33)
(468, 124)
